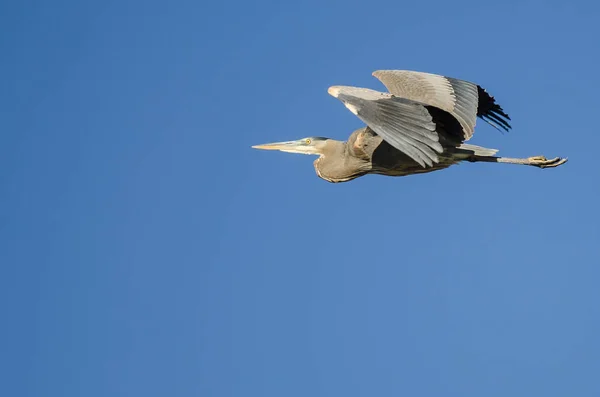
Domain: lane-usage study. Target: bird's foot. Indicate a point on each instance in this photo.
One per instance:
(543, 162)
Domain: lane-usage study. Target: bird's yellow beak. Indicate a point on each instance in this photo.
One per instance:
(302, 146)
(276, 145)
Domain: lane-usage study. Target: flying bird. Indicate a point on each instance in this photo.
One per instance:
(419, 126)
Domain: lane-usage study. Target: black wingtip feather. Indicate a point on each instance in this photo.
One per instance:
(499, 120)
(490, 111)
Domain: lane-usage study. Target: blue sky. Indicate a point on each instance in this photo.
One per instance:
(147, 250)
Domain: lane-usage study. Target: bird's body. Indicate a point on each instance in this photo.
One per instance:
(367, 153)
(420, 126)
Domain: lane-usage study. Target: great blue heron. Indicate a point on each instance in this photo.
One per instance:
(419, 126)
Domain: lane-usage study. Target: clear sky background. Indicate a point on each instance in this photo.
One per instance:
(147, 250)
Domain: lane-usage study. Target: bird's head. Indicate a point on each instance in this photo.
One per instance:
(309, 145)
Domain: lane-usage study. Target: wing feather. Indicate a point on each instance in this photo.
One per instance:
(465, 105)
(404, 124)
(464, 100)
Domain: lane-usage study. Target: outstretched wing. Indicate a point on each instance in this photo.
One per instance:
(464, 100)
(405, 124)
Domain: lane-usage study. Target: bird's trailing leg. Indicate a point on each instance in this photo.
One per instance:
(536, 161)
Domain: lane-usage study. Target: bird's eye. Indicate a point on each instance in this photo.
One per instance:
(308, 141)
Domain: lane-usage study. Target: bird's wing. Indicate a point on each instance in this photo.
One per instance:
(464, 100)
(403, 123)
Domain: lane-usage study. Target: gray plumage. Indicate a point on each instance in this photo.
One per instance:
(420, 125)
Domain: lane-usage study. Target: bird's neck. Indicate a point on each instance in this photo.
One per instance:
(336, 165)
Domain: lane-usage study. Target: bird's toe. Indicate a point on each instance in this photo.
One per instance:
(537, 159)
(543, 162)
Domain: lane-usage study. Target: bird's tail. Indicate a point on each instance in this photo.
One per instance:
(470, 150)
